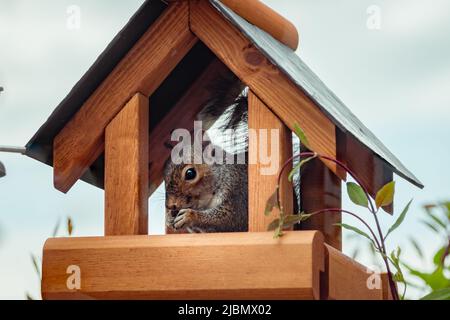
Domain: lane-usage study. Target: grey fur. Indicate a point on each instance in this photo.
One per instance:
(217, 202)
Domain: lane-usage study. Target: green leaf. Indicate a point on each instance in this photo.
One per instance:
(443, 294)
(355, 253)
(56, 229)
(274, 225)
(301, 135)
(400, 219)
(446, 205)
(288, 221)
(69, 226)
(435, 280)
(29, 297)
(395, 258)
(354, 229)
(437, 220)
(35, 262)
(357, 194)
(296, 218)
(398, 277)
(431, 226)
(271, 203)
(439, 257)
(417, 247)
(385, 196)
(299, 166)
(278, 233)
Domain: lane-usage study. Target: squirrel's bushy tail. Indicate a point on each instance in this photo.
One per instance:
(228, 103)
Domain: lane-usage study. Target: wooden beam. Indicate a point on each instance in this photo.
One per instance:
(126, 170)
(182, 115)
(283, 97)
(345, 279)
(370, 169)
(186, 267)
(143, 69)
(262, 16)
(262, 186)
(321, 189)
(265, 18)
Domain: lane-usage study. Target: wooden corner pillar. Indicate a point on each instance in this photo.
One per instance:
(262, 122)
(126, 170)
(321, 189)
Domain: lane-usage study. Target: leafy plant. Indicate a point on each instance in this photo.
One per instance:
(360, 196)
(437, 281)
(37, 261)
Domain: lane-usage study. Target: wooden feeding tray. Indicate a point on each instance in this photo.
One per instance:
(205, 266)
(111, 131)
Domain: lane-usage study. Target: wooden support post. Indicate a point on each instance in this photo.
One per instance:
(262, 187)
(126, 170)
(321, 189)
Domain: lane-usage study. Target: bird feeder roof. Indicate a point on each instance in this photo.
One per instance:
(40, 147)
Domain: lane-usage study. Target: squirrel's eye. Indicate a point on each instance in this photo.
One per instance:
(190, 175)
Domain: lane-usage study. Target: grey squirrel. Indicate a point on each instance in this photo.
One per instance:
(203, 198)
(208, 198)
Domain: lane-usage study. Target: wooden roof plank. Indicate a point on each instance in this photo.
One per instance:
(142, 70)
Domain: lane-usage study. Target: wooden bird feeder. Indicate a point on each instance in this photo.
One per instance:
(111, 129)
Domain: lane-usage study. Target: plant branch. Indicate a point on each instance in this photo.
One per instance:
(381, 242)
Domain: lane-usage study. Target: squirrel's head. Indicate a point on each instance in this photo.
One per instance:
(190, 186)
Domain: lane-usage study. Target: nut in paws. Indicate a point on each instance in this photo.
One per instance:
(185, 218)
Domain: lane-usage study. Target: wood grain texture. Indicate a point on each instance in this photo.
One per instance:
(283, 97)
(368, 167)
(201, 266)
(126, 170)
(182, 115)
(262, 16)
(321, 189)
(345, 279)
(261, 186)
(143, 69)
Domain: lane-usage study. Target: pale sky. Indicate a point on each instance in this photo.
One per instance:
(396, 80)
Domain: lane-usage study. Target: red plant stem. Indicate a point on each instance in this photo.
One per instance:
(386, 262)
(382, 247)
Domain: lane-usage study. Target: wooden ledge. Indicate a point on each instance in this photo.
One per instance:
(202, 266)
(248, 266)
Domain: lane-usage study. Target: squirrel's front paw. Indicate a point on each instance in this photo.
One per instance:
(185, 218)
